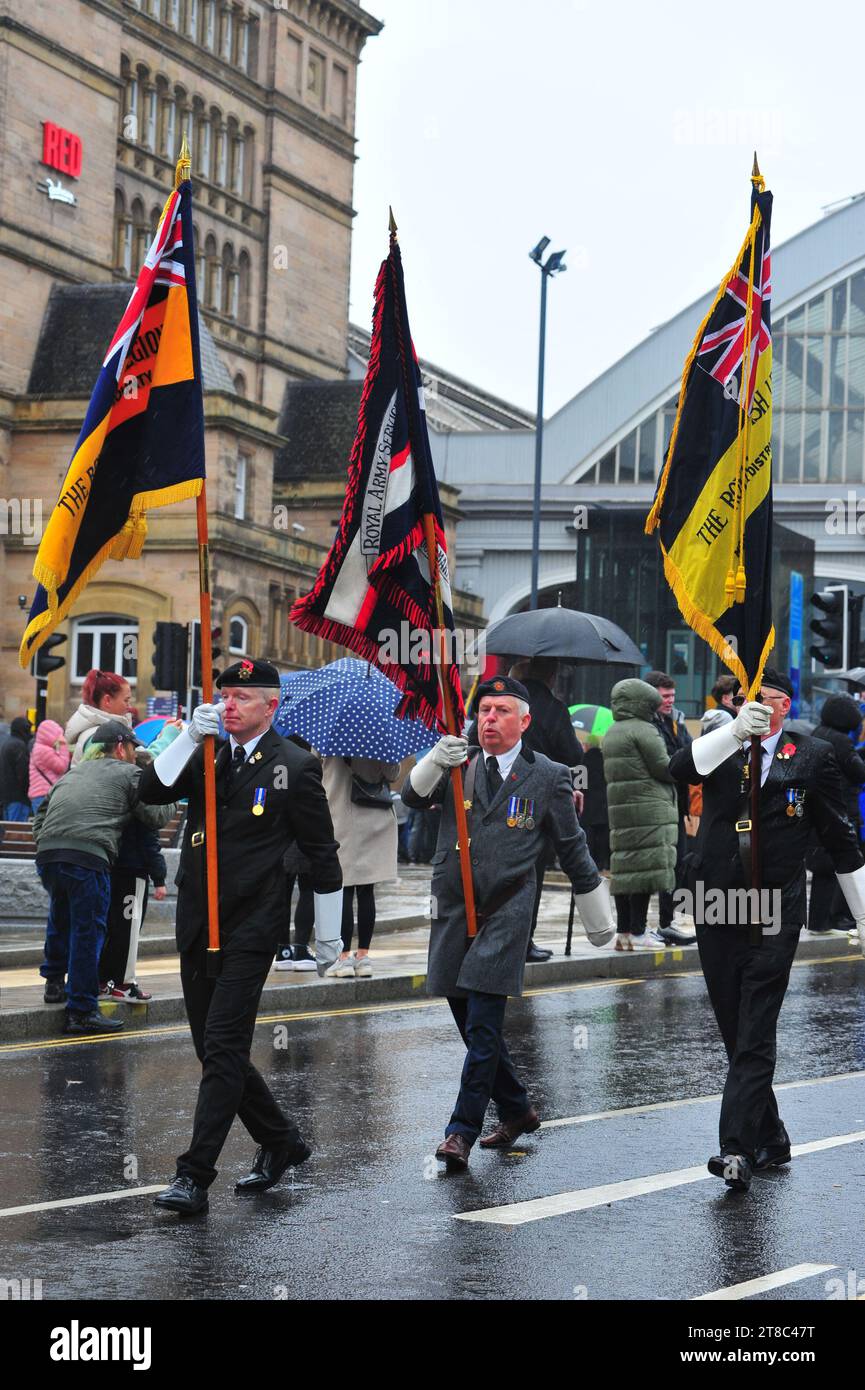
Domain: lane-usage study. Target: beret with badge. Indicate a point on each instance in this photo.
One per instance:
(502, 685)
(246, 672)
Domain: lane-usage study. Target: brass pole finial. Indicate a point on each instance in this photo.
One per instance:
(392, 224)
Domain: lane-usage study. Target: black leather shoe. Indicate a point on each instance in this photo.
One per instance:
(535, 954)
(772, 1156)
(54, 992)
(269, 1165)
(94, 1022)
(184, 1195)
(735, 1169)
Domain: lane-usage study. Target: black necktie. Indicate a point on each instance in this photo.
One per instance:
(494, 777)
(237, 761)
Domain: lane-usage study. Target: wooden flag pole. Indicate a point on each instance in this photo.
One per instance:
(214, 955)
(756, 927)
(463, 841)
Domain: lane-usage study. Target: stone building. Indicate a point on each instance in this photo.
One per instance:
(95, 96)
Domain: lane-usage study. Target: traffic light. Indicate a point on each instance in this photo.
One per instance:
(216, 650)
(831, 625)
(170, 656)
(43, 664)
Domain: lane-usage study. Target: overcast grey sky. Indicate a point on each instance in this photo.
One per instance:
(623, 131)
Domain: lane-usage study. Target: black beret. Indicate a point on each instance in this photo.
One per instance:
(248, 672)
(502, 685)
(777, 680)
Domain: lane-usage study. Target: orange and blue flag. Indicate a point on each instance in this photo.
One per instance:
(142, 441)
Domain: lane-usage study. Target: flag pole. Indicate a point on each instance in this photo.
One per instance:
(214, 955)
(756, 928)
(444, 668)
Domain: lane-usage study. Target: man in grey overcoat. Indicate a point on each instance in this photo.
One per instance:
(518, 802)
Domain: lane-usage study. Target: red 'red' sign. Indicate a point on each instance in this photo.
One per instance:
(61, 149)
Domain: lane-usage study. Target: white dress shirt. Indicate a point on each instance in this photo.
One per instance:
(768, 751)
(248, 748)
(505, 760)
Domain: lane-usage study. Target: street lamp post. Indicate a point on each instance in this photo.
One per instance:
(555, 262)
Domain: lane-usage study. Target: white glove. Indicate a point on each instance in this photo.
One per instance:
(595, 915)
(449, 752)
(205, 721)
(853, 888)
(711, 750)
(752, 719)
(328, 928)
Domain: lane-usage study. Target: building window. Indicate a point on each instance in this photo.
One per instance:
(108, 643)
(151, 109)
(240, 489)
(222, 156)
(210, 24)
(238, 162)
(230, 281)
(244, 267)
(243, 46)
(192, 18)
(172, 13)
(200, 263)
(169, 129)
(213, 292)
(240, 385)
(140, 236)
(123, 235)
(226, 45)
(238, 636)
(315, 69)
(130, 120)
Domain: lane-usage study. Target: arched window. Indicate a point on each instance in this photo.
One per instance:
(170, 143)
(155, 214)
(244, 270)
(230, 282)
(193, 17)
(238, 636)
(200, 264)
(238, 164)
(122, 235)
(221, 168)
(214, 274)
(226, 36)
(149, 110)
(140, 235)
(209, 35)
(240, 384)
(132, 112)
(172, 13)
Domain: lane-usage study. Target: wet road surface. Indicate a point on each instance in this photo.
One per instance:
(372, 1215)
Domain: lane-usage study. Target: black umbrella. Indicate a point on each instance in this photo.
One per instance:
(562, 633)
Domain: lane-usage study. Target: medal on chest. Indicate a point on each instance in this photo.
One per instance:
(258, 801)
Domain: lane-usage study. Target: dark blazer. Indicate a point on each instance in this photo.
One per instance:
(812, 772)
(495, 961)
(250, 847)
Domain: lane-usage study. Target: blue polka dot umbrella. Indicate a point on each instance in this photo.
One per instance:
(347, 709)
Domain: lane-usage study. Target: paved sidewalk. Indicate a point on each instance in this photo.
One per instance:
(398, 958)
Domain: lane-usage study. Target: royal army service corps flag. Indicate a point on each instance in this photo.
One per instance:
(713, 505)
(142, 441)
(375, 593)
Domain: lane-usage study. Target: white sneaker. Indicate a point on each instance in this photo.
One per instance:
(649, 941)
(362, 967)
(623, 942)
(341, 969)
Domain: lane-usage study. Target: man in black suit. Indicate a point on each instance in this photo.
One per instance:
(268, 794)
(801, 793)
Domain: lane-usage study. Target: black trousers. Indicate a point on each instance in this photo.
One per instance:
(746, 987)
(125, 918)
(488, 1072)
(632, 909)
(222, 1016)
(304, 913)
(827, 906)
(365, 915)
(665, 900)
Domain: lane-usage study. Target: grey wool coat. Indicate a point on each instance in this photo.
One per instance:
(494, 962)
(641, 794)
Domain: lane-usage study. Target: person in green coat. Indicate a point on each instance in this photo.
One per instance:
(641, 797)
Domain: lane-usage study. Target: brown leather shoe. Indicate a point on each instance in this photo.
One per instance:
(454, 1153)
(507, 1131)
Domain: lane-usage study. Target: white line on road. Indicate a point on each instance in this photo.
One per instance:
(690, 1100)
(767, 1281)
(562, 1203)
(84, 1201)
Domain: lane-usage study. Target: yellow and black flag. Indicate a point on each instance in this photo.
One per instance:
(142, 441)
(713, 505)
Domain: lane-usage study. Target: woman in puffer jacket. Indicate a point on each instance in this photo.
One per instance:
(49, 759)
(642, 808)
(104, 695)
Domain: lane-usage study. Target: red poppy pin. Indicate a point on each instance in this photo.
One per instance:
(246, 669)
(787, 751)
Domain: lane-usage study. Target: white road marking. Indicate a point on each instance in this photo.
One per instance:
(84, 1201)
(691, 1100)
(767, 1281)
(562, 1203)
